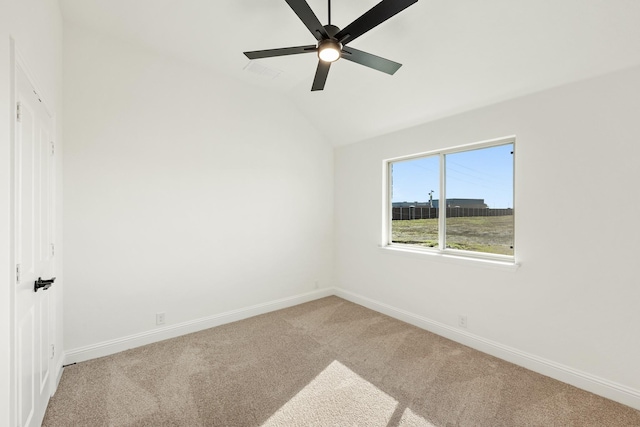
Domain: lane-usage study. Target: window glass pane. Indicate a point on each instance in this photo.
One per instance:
(479, 187)
(414, 198)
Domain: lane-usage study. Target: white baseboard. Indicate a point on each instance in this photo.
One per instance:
(566, 374)
(120, 344)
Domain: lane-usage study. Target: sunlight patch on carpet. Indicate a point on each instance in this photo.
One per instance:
(410, 419)
(337, 397)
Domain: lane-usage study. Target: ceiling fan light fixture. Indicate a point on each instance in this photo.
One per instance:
(329, 50)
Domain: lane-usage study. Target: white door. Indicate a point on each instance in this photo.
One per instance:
(34, 207)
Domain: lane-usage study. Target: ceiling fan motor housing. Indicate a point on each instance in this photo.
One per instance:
(330, 50)
(332, 30)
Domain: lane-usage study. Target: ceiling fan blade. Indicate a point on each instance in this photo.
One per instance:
(369, 60)
(306, 15)
(373, 17)
(321, 75)
(268, 53)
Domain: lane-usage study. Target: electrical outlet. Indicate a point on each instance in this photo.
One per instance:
(159, 318)
(462, 321)
(317, 284)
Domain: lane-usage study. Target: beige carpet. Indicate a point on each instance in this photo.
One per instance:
(325, 363)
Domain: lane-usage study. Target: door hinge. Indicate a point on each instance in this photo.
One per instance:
(53, 351)
(17, 273)
(18, 111)
(53, 148)
(53, 249)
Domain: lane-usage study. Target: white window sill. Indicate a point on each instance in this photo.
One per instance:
(451, 258)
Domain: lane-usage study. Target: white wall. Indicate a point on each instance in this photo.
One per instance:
(574, 300)
(185, 193)
(36, 27)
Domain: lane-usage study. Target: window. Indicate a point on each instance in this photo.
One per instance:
(457, 201)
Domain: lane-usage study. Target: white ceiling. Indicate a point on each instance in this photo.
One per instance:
(456, 54)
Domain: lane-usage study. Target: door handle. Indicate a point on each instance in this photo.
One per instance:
(43, 284)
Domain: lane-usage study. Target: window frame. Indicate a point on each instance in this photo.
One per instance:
(442, 249)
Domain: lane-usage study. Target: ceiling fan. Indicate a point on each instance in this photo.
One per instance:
(332, 41)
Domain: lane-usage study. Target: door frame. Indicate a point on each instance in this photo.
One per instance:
(17, 62)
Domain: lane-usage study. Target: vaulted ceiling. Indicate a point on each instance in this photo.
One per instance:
(456, 54)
